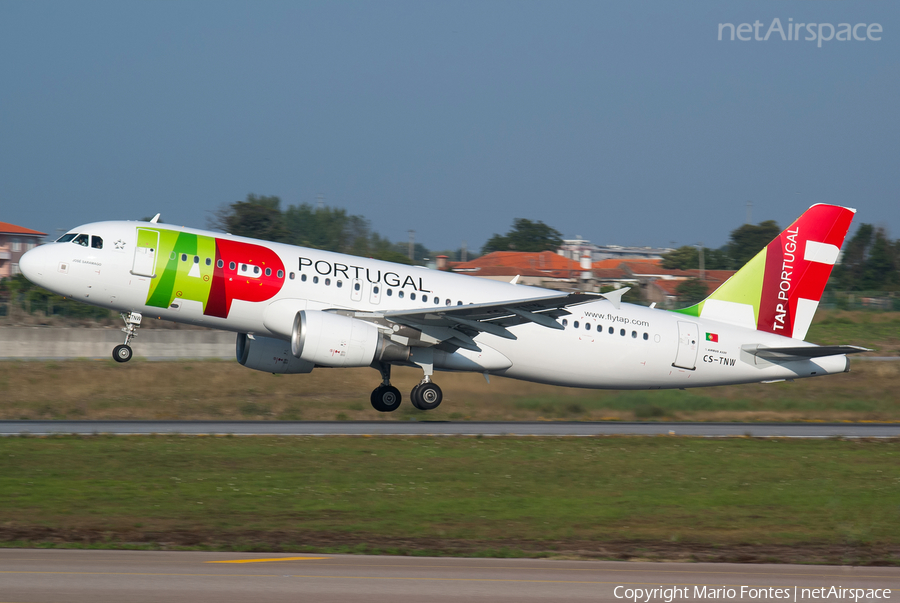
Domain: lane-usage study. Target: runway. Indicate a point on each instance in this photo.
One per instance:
(450, 428)
(42, 576)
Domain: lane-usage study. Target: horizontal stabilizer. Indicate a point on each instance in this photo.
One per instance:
(800, 352)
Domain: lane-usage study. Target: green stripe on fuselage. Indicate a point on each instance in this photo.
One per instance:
(182, 277)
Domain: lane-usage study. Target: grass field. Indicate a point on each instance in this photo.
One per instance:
(100, 389)
(726, 499)
(224, 390)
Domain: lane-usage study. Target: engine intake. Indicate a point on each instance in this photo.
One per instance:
(328, 339)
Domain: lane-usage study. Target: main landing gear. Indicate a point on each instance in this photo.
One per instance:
(386, 398)
(426, 395)
(122, 352)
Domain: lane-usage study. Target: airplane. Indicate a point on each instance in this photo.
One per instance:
(295, 309)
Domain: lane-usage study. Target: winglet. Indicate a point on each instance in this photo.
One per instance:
(155, 219)
(615, 296)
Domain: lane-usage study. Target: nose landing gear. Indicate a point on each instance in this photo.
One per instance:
(123, 352)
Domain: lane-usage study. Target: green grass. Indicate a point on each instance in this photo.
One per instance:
(193, 390)
(877, 330)
(415, 493)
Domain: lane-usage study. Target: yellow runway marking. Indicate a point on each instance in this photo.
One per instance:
(267, 560)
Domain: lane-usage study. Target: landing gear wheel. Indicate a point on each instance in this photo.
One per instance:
(386, 398)
(414, 396)
(121, 353)
(427, 396)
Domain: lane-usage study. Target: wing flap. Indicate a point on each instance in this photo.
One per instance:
(457, 325)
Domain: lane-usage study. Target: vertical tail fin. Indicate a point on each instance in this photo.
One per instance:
(779, 290)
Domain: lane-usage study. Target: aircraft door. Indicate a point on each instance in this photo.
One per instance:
(688, 344)
(356, 289)
(145, 253)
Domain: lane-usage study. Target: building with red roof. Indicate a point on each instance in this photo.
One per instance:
(15, 241)
(544, 269)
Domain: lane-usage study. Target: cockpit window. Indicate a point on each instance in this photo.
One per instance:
(82, 240)
(96, 242)
(66, 237)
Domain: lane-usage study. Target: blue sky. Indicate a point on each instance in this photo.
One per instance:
(623, 122)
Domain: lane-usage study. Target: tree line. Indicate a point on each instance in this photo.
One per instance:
(333, 229)
(321, 227)
(870, 260)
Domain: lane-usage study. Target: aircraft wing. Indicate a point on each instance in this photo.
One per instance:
(800, 352)
(457, 325)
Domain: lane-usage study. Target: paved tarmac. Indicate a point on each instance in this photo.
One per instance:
(440, 428)
(45, 576)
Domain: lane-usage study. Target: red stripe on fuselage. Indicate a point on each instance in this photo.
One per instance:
(228, 284)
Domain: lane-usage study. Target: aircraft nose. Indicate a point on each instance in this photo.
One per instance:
(32, 264)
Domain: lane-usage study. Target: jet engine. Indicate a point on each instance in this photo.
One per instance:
(269, 355)
(335, 340)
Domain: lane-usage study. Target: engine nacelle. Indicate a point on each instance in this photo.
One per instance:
(328, 339)
(269, 355)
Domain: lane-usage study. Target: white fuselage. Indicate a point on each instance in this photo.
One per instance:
(601, 346)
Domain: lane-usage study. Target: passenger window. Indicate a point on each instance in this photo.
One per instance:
(611, 330)
(400, 294)
(231, 265)
(375, 289)
(634, 334)
(448, 302)
(340, 284)
(256, 270)
(622, 332)
(291, 276)
(209, 261)
(575, 324)
(412, 296)
(196, 259)
(599, 328)
(183, 257)
(268, 272)
(328, 282)
(565, 322)
(302, 277)
(356, 286)
(390, 292)
(646, 337)
(220, 264)
(315, 280)
(587, 326)
(459, 303)
(66, 238)
(281, 274)
(425, 298)
(96, 242)
(82, 240)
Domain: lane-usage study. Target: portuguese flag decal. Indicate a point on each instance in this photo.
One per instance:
(714, 337)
